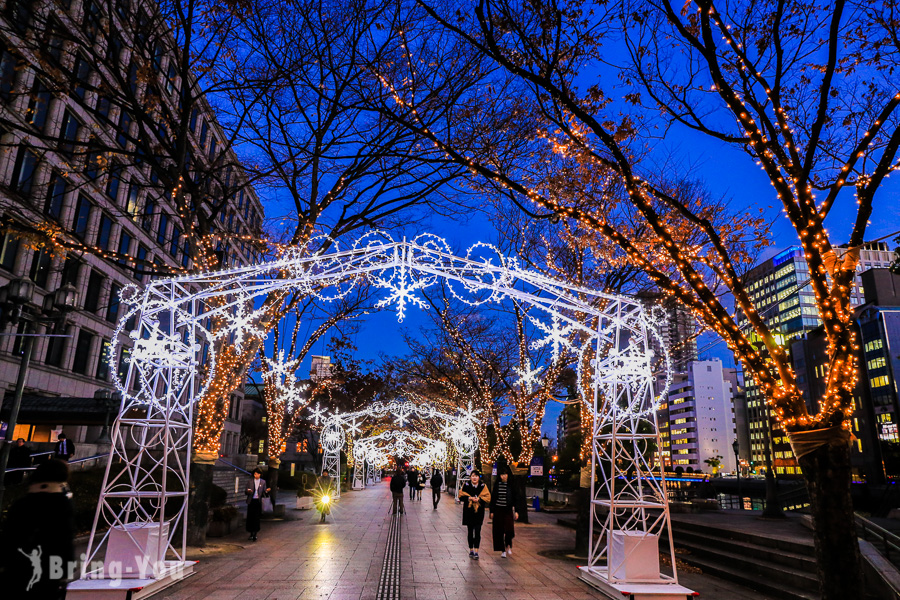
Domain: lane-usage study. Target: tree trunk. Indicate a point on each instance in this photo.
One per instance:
(827, 473)
(582, 521)
(202, 464)
(272, 479)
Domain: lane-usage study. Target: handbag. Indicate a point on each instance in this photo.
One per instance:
(267, 505)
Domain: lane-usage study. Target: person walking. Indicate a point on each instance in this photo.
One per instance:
(475, 497)
(255, 493)
(64, 449)
(503, 513)
(423, 480)
(412, 478)
(398, 482)
(437, 481)
(39, 538)
(19, 458)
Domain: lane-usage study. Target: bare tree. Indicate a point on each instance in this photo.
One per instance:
(805, 90)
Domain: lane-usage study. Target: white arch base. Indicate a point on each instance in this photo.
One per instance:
(607, 338)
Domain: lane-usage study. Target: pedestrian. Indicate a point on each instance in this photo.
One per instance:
(398, 482)
(326, 496)
(420, 485)
(19, 458)
(412, 477)
(503, 513)
(37, 549)
(476, 497)
(64, 449)
(437, 481)
(255, 493)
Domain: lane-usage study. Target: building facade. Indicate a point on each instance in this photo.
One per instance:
(700, 418)
(118, 228)
(780, 290)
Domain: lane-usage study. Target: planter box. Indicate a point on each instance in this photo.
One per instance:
(304, 502)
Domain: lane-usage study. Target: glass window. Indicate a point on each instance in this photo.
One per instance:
(23, 172)
(124, 361)
(131, 204)
(9, 251)
(194, 114)
(82, 352)
(141, 263)
(104, 232)
(9, 63)
(68, 133)
(82, 216)
(40, 267)
(114, 181)
(186, 253)
(81, 71)
(204, 133)
(147, 219)
(123, 134)
(92, 295)
(103, 361)
(56, 347)
(171, 75)
(92, 164)
(112, 311)
(54, 40)
(176, 239)
(124, 246)
(38, 104)
(213, 147)
(162, 229)
(19, 12)
(104, 106)
(71, 270)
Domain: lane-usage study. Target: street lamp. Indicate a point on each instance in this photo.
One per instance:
(15, 297)
(545, 442)
(736, 446)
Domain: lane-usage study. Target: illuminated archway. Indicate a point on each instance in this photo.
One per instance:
(173, 335)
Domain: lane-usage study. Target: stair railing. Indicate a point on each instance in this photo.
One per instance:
(890, 541)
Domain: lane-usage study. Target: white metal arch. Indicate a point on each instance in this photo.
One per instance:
(459, 428)
(173, 338)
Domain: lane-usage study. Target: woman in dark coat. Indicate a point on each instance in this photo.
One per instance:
(255, 493)
(475, 497)
(39, 526)
(503, 513)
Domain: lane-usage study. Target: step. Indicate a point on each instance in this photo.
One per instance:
(773, 541)
(802, 561)
(755, 568)
(777, 590)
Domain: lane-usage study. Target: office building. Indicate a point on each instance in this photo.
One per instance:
(700, 418)
(780, 290)
(120, 226)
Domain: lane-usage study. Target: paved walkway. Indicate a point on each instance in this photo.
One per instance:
(342, 559)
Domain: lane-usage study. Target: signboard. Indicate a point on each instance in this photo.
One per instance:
(494, 469)
(585, 477)
(537, 465)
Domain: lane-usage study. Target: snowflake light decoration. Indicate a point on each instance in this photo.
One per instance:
(528, 376)
(556, 336)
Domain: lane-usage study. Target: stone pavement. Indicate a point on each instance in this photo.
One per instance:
(342, 559)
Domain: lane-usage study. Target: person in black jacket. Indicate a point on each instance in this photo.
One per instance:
(19, 458)
(412, 478)
(40, 532)
(503, 512)
(255, 493)
(436, 482)
(475, 496)
(64, 449)
(398, 482)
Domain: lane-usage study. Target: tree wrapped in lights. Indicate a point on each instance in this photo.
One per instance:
(805, 90)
